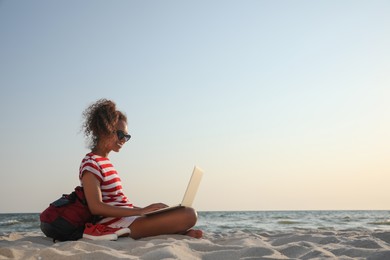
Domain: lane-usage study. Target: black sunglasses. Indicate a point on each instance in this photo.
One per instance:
(122, 135)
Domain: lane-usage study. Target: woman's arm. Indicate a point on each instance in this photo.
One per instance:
(93, 195)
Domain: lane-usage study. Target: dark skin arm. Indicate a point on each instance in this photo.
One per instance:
(93, 195)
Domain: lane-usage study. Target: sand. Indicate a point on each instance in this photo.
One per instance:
(238, 245)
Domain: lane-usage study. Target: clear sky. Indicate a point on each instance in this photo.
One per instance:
(284, 104)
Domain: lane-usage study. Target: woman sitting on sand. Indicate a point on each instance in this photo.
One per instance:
(106, 129)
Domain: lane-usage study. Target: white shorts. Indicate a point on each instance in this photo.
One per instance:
(121, 223)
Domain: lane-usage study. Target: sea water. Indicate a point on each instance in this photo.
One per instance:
(19, 222)
(268, 221)
(247, 221)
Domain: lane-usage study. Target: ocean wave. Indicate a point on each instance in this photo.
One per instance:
(9, 222)
(288, 222)
(385, 222)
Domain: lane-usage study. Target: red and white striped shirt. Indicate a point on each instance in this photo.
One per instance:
(110, 182)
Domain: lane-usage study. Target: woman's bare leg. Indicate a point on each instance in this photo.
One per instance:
(178, 221)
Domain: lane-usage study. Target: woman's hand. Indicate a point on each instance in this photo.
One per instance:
(153, 207)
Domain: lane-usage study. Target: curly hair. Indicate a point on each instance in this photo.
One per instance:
(100, 118)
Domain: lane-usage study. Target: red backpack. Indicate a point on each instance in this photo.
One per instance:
(66, 217)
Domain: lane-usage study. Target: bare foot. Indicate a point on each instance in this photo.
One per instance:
(195, 233)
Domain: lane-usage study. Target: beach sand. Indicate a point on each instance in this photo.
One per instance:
(236, 245)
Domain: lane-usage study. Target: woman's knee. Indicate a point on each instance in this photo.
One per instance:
(190, 215)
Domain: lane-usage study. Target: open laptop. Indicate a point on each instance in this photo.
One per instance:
(189, 195)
